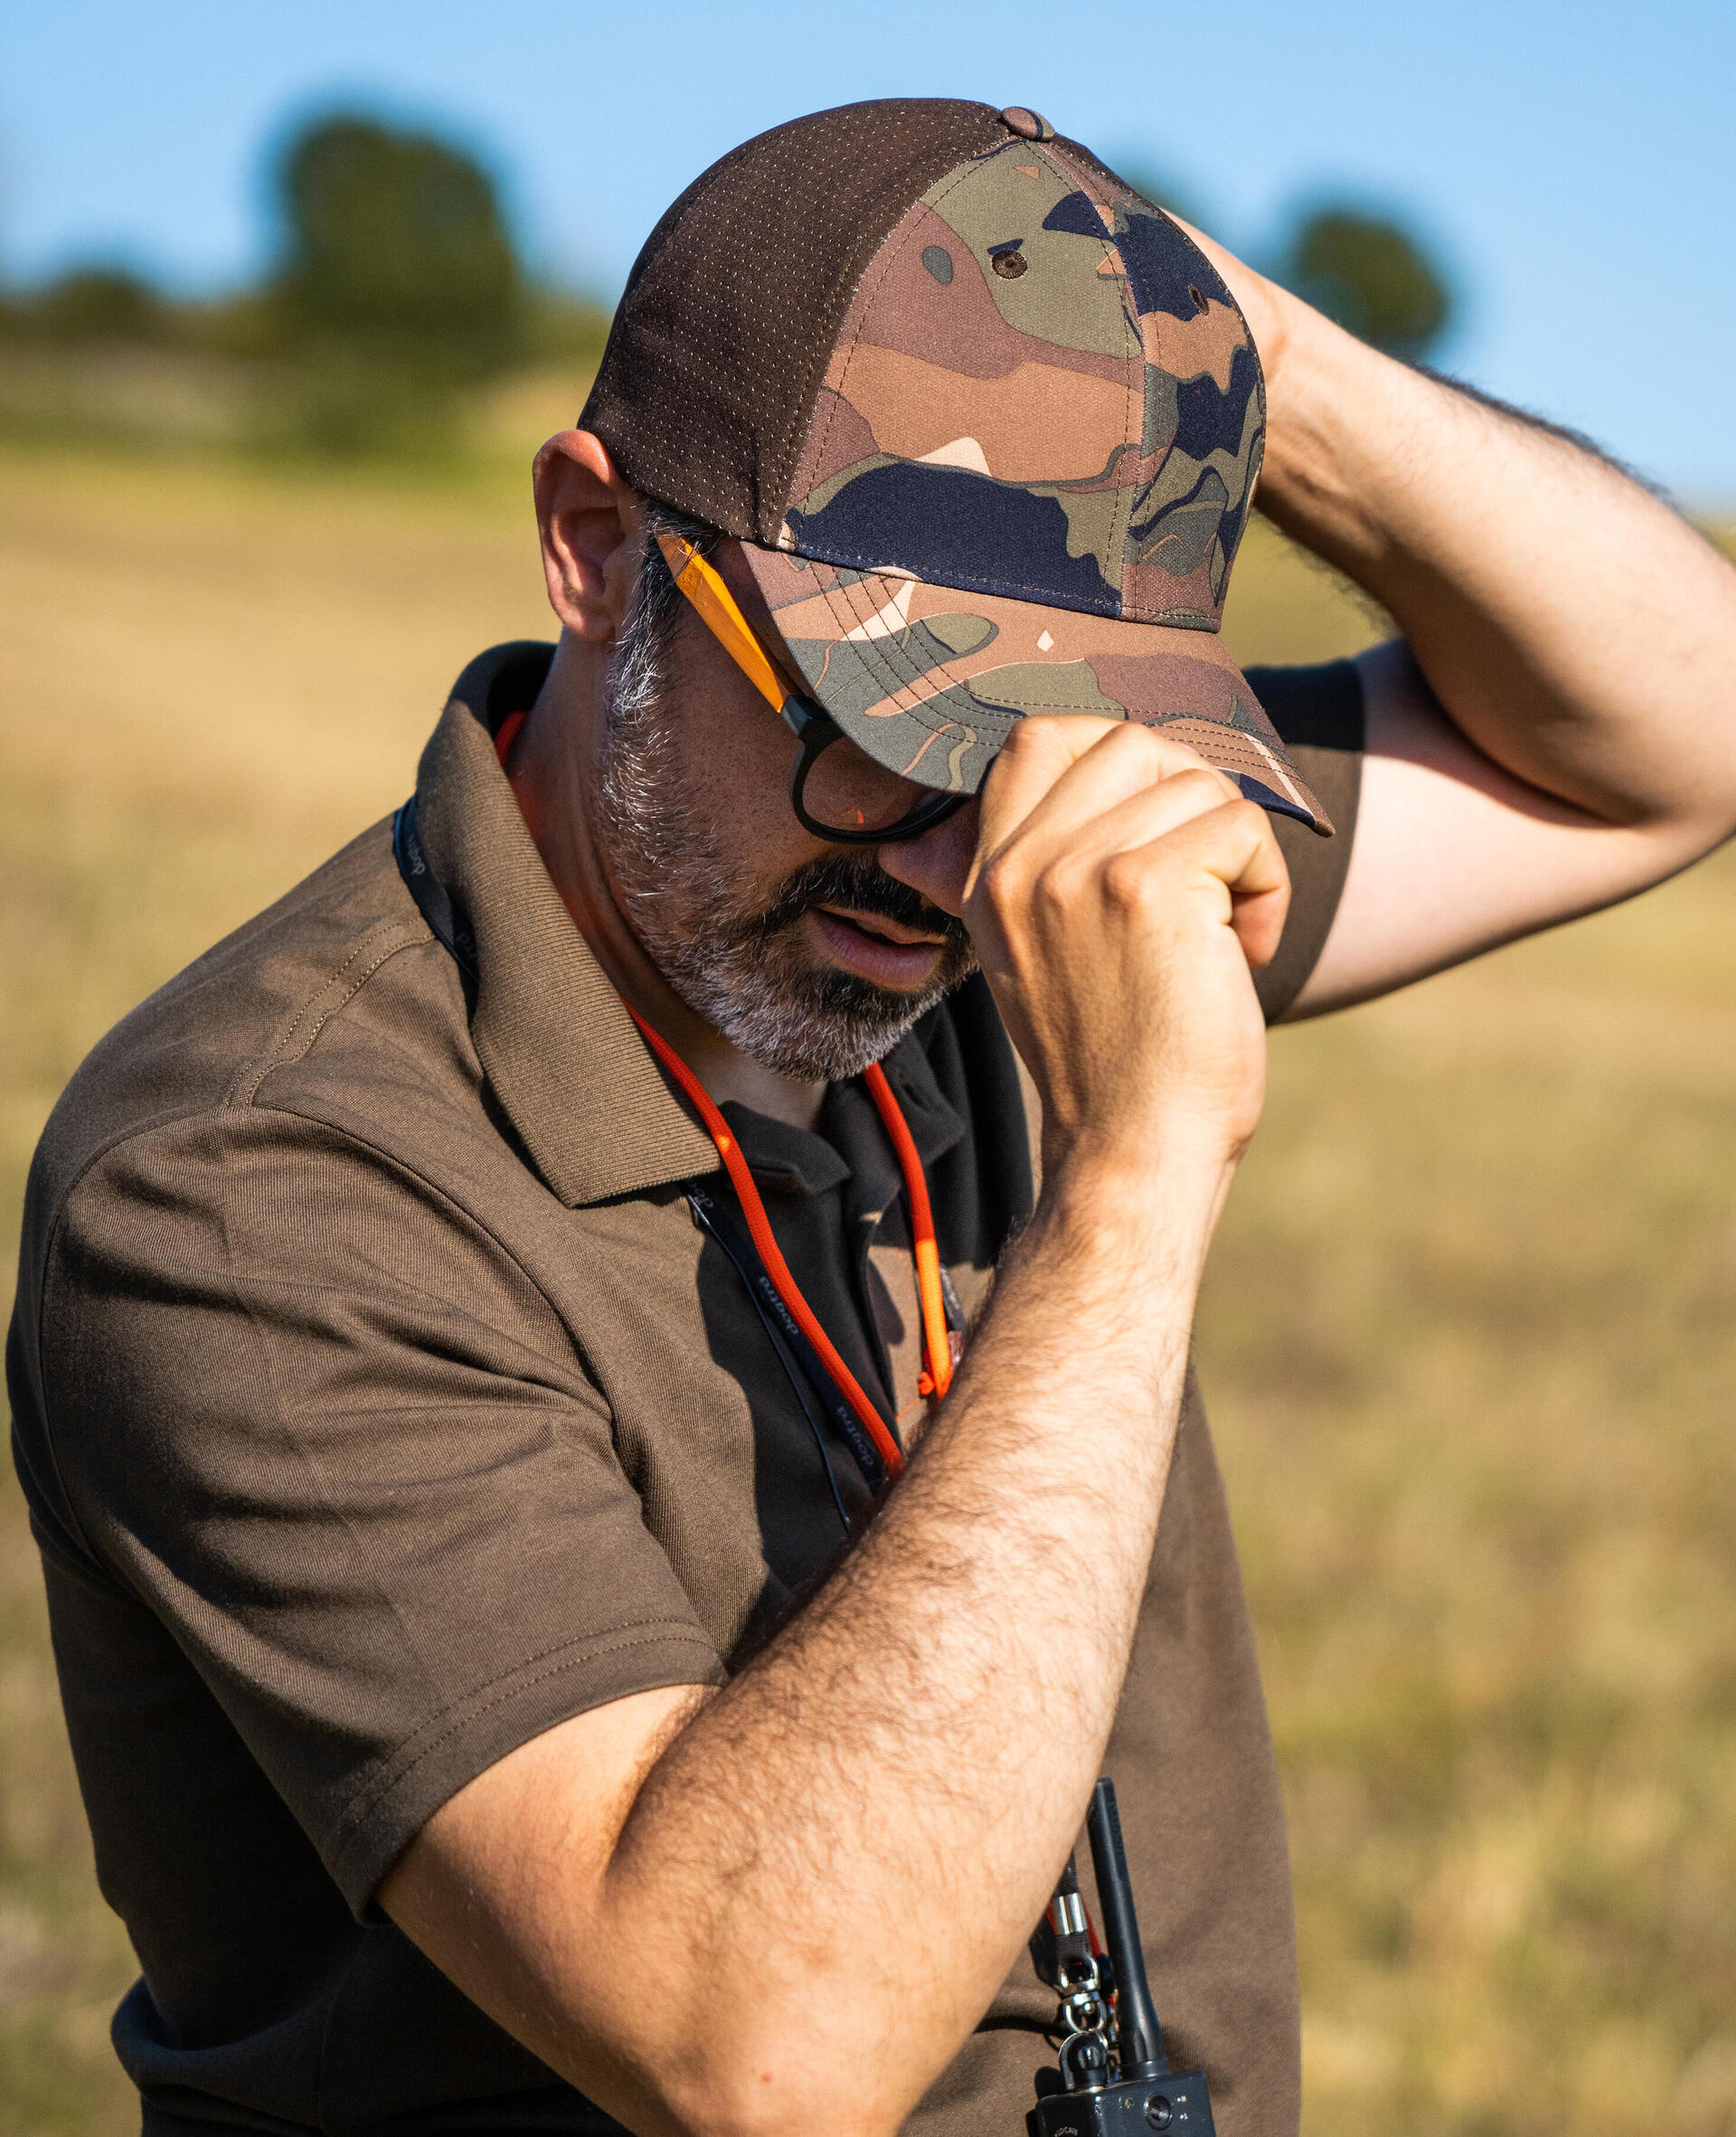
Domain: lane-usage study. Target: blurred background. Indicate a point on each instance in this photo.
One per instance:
(288, 299)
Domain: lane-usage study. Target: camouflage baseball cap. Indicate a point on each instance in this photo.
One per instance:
(987, 422)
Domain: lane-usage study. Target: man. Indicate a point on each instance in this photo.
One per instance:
(507, 1669)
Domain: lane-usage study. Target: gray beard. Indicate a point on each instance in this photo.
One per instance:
(739, 965)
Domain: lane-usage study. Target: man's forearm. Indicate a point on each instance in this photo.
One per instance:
(1572, 626)
(890, 1790)
(821, 1874)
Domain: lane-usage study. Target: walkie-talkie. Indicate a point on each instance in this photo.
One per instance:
(1114, 2078)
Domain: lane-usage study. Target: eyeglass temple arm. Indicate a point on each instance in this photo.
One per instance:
(718, 611)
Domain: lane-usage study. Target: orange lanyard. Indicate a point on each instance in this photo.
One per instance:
(937, 1337)
(937, 1340)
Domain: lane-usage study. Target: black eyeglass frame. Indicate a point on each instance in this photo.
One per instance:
(817, 731)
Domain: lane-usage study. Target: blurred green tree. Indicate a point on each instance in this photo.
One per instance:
(98, 304)
(399, 286)
(1372, 275)
(398, 251)
(396, 291)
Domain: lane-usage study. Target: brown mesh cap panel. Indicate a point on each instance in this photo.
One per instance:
(731, 313)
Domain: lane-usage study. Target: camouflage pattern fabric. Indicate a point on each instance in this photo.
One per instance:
(929, 681)
(1024, 481)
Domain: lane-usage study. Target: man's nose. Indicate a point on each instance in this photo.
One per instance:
(937, 861)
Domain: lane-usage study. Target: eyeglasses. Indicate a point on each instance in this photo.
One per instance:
(838, 794)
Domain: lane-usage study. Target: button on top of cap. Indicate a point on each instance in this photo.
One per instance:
(1029, 126)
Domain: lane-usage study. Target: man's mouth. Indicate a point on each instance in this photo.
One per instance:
(878, 949)
(878, 925)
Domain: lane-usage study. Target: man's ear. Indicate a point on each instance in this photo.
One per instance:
(589, 519)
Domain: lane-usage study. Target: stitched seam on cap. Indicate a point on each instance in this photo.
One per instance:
(1177, 619)
(885, 654)
(888, 252)
(682, 461)
(1180, 617)
(1013, 590)
(810, 392)
(1239, 748)
(884, 256)
(891, 251)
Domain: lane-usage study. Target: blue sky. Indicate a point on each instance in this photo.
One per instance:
(1575, 165)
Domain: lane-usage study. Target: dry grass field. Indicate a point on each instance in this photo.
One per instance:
(1468, 1335)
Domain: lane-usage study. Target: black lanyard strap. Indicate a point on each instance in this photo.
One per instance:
(731, 1235)
(433, 901)
(706, 1215)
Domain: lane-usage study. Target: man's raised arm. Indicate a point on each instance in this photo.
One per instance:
(1560, 732)
(783, 1906)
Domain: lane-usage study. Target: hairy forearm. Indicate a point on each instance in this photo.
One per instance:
(886, 1795)
(1577, 631)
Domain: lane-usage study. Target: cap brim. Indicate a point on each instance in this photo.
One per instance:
(930, 681)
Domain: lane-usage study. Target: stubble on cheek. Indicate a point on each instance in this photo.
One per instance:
(732, 943)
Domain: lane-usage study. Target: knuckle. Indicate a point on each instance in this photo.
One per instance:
(1200, 785)
(1130, 882)
(1170, 746)
(1057, 884)
(1001, 882)
(1232, 822)
(1034, 740)
(1133, 739)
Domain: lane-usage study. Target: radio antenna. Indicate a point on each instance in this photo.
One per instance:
(1139, 2041)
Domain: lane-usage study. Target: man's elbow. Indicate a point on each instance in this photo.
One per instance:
(766, 2106)
(780, 2076)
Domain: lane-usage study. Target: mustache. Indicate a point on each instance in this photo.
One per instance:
(863, 885)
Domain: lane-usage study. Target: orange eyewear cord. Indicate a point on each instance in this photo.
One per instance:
(936, 1338)
(716, 604)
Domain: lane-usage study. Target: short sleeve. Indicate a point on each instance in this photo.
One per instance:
(317, 1419)
(1318, 712)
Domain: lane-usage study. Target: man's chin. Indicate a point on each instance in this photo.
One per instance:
(795, 1007)
(828, 1025)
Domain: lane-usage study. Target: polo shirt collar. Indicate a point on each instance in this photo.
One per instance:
(592, 1107)
(935, 1123)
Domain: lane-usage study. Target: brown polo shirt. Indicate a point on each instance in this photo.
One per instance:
(381, 1404)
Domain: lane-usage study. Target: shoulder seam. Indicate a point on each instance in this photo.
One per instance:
(431, 1187)
(294, 1038)
(344, 1134)
(340, 1133)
